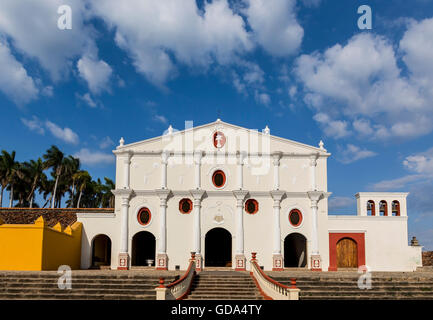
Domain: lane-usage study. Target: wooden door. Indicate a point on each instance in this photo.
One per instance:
(347, 253)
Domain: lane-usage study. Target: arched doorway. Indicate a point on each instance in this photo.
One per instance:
(143, 249)
(218, 248)
(295, 251)
(101, 251)
(347, 253)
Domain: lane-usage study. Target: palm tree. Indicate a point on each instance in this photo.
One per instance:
(108, 197)
(9, 170)
(35, 172)
(54, 159)
(83, 180)
(72, 167)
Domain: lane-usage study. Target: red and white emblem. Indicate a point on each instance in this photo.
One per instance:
(219, 139)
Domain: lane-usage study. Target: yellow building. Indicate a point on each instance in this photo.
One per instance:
(39, 247)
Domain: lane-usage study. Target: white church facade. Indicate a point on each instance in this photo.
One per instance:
(223, 192)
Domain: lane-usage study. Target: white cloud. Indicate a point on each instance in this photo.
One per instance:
(332, 128)
(362, 82)
(395, 184)
(157, 34)
(32, 26)
(34, 124)
(262, 98)
(97, 73)
(90, 158)
(106, 142)
(65, 134)
(353, 153)
(275, 26)
(15, 83)
(420, 163)
(160, 118)
(87, 99)
(340, 203)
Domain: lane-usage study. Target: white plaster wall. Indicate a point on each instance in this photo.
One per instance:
(386, 241)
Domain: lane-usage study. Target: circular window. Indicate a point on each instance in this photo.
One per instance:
(251, 206)
(185, 206)
(295, 217)
(219, 179)
(144, 216)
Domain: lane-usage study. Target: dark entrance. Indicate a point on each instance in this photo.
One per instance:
(295, 251)
(218, 248)
(101, 251)
(143, 249)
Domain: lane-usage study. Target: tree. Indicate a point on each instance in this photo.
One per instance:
(108, 196)
(55, 159)
(83, 180)
(9, 170)
(34, 172)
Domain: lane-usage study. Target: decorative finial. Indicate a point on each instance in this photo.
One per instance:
(121, 142)
(321, 145)
(170, 130)
(266, 130)
(218, 120)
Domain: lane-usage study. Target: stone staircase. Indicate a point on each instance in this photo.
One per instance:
(93, 285)
(344, 286)
(224, 285)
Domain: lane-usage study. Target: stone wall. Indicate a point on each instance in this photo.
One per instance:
(427, 258)
(66, 217)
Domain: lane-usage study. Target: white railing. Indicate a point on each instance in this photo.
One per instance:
(270, 288)
(180, 288)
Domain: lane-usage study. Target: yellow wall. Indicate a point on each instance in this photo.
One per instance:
(38, 247)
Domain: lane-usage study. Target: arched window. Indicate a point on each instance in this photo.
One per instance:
(185, 206)
(295, 217)
(219, 178)
(383, 208)
(396, 208)
(251, 206)
(144, 216)
(371, 208)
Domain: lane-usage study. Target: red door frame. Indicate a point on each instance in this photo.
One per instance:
(358, 237)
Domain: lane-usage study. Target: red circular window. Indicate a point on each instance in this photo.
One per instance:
(251, 206)
(295, 217)
(219, 179)
(219, 139)
(144, 216)
(185, 206)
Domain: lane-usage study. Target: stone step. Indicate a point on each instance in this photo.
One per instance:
(374, 288)
(74, 296)
(75, 285)
(365, 293)
(354, 297)
(75, 291)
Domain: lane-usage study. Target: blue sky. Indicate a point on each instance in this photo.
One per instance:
(303, 68)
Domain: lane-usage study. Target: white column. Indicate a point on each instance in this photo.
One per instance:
(162, 247)
(123, 259)
(316, 263)
(197, 226)
(162, 258)
(126, 169)
(313, 164)
(277, 157)
(277, 258)
(239, 221)
(240, 171)
(314, 229)
(124, 224)
(164, 162)
(197, 163)
(239, 226)
(197, 195)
